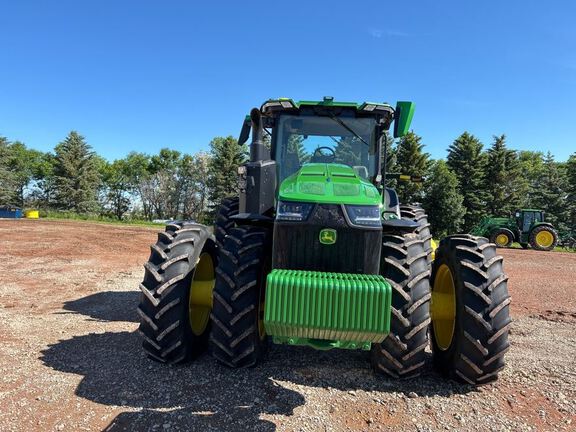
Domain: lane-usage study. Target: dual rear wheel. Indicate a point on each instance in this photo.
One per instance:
(462, 309)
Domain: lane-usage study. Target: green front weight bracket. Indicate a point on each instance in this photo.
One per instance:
(327, 310)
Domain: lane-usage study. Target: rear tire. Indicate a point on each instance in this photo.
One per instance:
(223, 224)
(164, 310)
(501, 238)
(416, 213)
(237, 338)
(404, 265)
(474, 351)
(547, 233)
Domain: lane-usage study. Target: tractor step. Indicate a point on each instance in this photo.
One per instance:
(327, 310)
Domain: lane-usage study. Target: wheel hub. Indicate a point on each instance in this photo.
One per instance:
(501, 239)
(544, 239)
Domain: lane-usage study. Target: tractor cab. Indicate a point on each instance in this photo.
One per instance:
(343, 137)
(526, 218)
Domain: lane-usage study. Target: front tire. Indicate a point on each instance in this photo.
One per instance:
(404, 264)
(237, 338)
(176, 294)
(501, 238)
(469, 310)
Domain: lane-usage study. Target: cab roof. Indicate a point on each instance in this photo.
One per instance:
(287, 104)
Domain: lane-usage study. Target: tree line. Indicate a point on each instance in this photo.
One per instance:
(474, 182)
(457, 192)
(74, 180)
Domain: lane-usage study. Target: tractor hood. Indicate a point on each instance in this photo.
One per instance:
(329, 184)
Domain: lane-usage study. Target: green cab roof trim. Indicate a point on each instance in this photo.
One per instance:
(328, 184)
(330, 102)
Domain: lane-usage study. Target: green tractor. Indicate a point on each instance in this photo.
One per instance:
(317, 251)
(527, 227)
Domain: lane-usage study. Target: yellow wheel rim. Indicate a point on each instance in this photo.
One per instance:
(501, 239)
(544, 239)
(443, 307)
(200, 297)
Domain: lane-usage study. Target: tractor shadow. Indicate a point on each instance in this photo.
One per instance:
(106, 306)
(199, 396)
(204, 395)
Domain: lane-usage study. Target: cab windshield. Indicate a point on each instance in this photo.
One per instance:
(302, 139)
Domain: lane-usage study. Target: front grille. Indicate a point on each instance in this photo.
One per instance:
(297, 245)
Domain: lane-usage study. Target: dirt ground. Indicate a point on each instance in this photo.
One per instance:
(70, 356)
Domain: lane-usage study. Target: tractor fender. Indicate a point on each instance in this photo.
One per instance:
(539, 224)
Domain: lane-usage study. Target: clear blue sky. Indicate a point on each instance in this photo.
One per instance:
(141, 75)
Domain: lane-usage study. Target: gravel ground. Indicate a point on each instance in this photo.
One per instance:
(70, 357)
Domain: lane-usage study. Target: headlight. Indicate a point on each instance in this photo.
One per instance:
(293, 211)
(364, 215)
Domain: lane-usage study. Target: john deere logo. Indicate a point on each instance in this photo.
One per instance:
(328, 236)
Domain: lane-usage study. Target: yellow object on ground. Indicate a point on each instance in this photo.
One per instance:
(434, 247)
(31, 214)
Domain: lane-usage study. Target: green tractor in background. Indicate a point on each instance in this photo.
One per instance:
(527, 227)
(317, 251)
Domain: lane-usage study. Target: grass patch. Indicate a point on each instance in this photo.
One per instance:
(56, 215)
(556, 249)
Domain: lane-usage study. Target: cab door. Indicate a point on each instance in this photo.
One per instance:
(528, 221)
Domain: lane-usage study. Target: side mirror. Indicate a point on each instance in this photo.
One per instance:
(245, 131)
(402, 118)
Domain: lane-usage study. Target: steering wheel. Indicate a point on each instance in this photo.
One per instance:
(321, 157)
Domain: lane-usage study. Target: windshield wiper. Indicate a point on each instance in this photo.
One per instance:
(348, 128)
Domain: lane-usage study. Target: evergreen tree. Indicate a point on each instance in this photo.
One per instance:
(349, 151)
(391, 156)
(442, 201)
(531, 167)
(226, 157)
(551, 193)
(411, 160)
(76, 175)
(466, 160)
(296, 146)
(504, 184)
